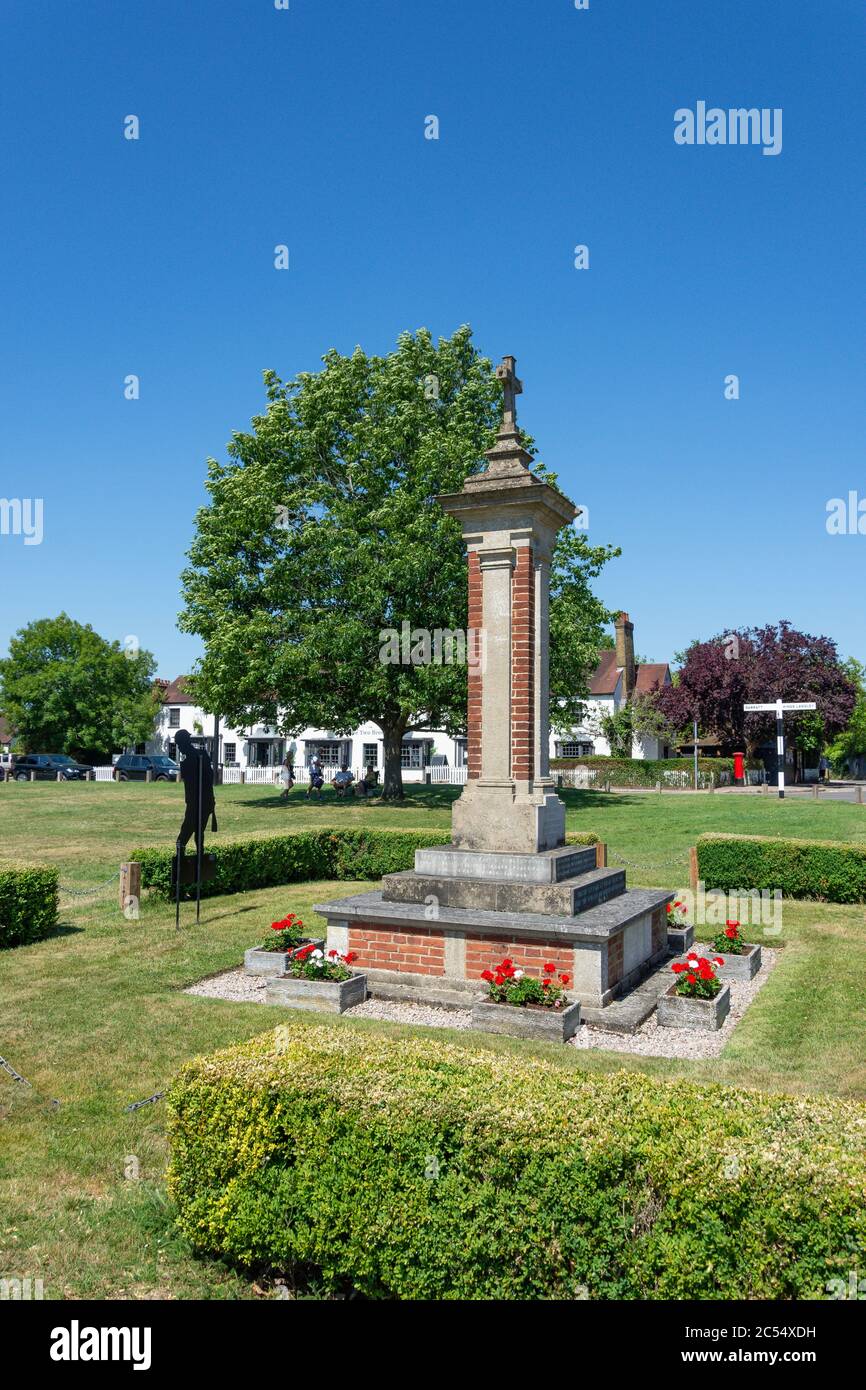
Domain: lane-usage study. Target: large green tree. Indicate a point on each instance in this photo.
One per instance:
(322, 534)
(851, 742)
(65, 689)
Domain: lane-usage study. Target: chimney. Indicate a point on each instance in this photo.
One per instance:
(625, 653)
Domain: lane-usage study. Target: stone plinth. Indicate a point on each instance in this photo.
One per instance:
(605, 949)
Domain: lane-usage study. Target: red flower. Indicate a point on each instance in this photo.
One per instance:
(670, 907)
(499, 980)
(550, 968)
(487, 975)
(506, 962)
(350, 956)
(677, 969)
(718, 960)
(731, 931)
(564, 979)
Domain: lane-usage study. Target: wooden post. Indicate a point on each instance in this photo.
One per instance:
(32, 776)
(601, 855)
(148, 776)
(58, 777)
(243, 776)
(658, 788)
(815, 790)
(860, 794)
(130, 888)
(693, 868)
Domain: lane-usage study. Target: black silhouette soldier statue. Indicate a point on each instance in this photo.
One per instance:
(196, 774)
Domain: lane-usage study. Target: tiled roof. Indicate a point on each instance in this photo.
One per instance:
(607, 673)
(603, 682)
(175, 692)
(651, 674)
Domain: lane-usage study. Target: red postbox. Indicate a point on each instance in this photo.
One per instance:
(739, 767)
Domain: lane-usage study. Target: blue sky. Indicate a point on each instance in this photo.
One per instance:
(306, 127)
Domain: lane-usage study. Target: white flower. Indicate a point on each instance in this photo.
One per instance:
(518, 974)
(317, 955)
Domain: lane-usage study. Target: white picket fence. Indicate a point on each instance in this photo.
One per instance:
(103, 774)
(451, 776)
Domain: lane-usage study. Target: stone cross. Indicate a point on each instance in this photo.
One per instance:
(511, 387)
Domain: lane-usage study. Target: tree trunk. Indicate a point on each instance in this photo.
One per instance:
(392, 788)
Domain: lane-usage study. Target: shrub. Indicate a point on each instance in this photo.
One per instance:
(419, 1169)
(823, 869)
(645, 772)
(308, 854)
(28, 903)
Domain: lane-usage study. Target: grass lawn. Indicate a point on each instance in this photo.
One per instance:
(95, 1017)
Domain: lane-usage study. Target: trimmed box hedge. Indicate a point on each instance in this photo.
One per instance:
(827, 870)
(307, 854)
(419, 1169)
(645, 772)
(28, 903)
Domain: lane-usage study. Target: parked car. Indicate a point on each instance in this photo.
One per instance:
(134, 767)
(46, 767)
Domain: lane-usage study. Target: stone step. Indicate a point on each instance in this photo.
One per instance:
(548, 866)
(563, 899)
(595, 924)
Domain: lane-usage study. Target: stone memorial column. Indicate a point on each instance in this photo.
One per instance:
(509, 520)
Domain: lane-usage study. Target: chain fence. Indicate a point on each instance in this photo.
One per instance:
(675, 863)
(87, 892)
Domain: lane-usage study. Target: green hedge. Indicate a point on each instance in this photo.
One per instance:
(308, 854)
(418, 1169)
(645, 772)
(824, 869)
(28, 903)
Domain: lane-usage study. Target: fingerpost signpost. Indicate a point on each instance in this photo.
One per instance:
(780, 709)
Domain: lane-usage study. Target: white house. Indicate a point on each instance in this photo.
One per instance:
(617, 679)
(263, 746)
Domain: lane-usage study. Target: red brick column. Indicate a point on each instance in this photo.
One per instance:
(523, 666)
(475, 677)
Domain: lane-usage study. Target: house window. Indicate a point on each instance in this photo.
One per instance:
(412, 755)
(371, 755)
(460, 752)
(575, 749)
(230, 751)
(174, 717)
(327, 753)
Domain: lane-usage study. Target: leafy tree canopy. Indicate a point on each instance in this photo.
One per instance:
(322, 533)
(756, 665)
(850, 743)
(65, 689)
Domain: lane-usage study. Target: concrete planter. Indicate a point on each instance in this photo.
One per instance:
(257, 961)
(742, 967)
(316, 996)
(702, 1015)
(544, 1025)
(680, 939)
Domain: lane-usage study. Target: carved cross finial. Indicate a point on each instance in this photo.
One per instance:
(511, 387)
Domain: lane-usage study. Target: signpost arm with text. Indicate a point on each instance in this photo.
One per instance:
(779, 708)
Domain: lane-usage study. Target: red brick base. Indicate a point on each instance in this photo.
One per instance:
(484, 952)
(420, 951)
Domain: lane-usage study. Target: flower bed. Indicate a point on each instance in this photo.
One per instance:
(525, 1006)
(270, 958)
(681, 933)
(698, 999)
(737, 959)
(318, 982)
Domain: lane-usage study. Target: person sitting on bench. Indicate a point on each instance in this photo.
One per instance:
(368, 781)
(343, 780)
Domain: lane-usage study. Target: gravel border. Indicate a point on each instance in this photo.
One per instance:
(649, 1041)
